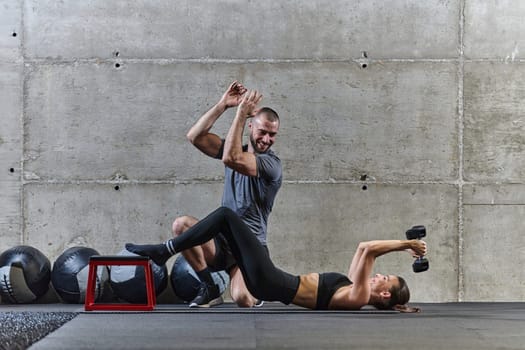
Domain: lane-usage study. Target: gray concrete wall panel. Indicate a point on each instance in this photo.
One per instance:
(494, 29)
(10, 226)
(494, 244)
(10, 30)
(10, 153)
(92, 121)
(312, 228)
(387, 121)
(494, 136)
(238, 29)
(60, 216)
(316, 227)
(11, 102)
(492, 194)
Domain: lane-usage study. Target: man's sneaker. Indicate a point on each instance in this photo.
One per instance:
(207, 296)
(259, 303)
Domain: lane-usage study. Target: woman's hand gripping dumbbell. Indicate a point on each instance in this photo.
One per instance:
(417, 232)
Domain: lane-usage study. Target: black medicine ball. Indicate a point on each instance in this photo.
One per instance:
(25, 274)
(70, 274)
(185, 281)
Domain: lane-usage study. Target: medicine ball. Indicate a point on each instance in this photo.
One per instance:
(70, 274)
(185, 281)
(129, 284)
(24, 274)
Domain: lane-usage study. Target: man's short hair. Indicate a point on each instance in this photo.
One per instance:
(269, 113)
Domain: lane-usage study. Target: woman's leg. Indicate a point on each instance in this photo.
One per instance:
(200, 233)
(263, 279)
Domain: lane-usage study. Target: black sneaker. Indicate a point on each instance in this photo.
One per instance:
(207, 296)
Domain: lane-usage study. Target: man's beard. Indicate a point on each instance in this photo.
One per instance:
(254, 146)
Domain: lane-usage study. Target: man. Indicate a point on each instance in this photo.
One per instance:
(253, 176)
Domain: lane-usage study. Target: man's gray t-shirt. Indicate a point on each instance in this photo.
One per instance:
(252, 197)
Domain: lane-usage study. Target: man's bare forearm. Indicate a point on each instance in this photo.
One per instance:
(203, 126)
(233, 142)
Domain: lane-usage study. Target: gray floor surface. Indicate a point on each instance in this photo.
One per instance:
(439, 326)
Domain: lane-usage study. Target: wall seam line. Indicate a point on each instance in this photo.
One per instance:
(461, 111)
(23, 234)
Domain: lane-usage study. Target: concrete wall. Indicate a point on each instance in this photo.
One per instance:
(393, 114)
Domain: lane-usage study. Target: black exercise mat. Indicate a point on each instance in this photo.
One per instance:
(230, 308)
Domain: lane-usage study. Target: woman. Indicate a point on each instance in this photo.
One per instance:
(322, 291)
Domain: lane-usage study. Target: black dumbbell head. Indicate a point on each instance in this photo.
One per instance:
(416, 232)
(420, 265)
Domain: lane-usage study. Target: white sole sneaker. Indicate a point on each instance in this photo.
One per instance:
(212, 303)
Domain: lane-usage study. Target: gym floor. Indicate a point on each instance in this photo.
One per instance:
(275, 326)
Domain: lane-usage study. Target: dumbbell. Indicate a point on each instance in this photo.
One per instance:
(418, 232)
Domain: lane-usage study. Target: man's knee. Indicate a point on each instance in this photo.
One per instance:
(181, 224)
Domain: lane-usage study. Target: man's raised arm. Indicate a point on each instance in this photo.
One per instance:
(199, 134)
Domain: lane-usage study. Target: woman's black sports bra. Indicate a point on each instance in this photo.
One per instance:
(329, 283)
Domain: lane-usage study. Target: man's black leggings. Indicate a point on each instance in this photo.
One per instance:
(263, 279)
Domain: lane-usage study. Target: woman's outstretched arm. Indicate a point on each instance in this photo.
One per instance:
(364, 258)
(355, 261)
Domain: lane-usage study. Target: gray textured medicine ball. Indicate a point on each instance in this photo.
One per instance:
(25, 274)
(128, 282)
